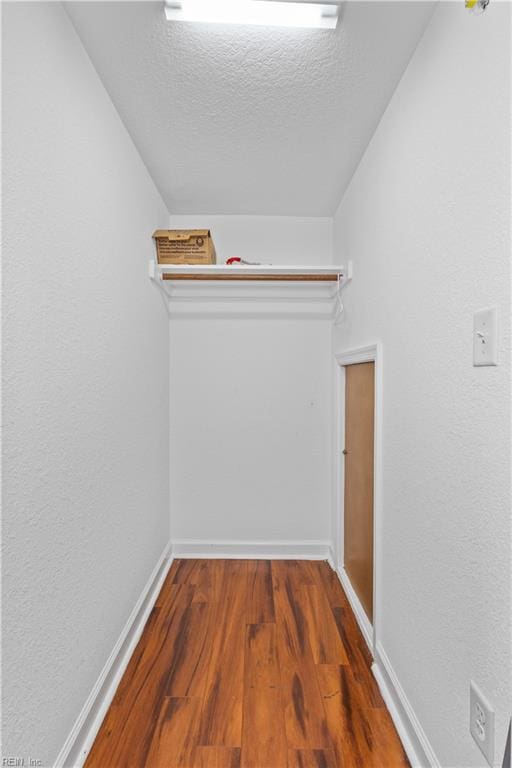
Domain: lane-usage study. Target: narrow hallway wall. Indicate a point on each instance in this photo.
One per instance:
(250, 433)
(85, 336)
(266, 239)
(426, 221)
(250, 402)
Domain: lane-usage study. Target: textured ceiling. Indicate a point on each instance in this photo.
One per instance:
(250, 120)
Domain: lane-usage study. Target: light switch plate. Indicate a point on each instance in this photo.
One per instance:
(485, 337)
(481, 722)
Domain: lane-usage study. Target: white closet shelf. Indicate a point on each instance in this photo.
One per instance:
(219, 289)
(297, 273)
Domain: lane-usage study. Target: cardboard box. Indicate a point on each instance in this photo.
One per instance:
(184, 246)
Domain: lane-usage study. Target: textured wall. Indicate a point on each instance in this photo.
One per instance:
(250, 428)
(426, 220)
(271, 239)
(85, 449)
(250, 403)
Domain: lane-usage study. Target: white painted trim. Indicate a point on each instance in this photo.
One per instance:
(82, 735)
(314, 300)
(338, 464)
(248, 269)
(362, 619)
(252, 550)
(413, 737)
(364, 354)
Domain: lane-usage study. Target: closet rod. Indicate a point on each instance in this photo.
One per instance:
(246, 278)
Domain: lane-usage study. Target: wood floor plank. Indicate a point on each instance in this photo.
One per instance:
(175, 735)
(186, 571)
(205, 689)
(192, 653)
(297, 572)
(372, 742)
(260, 647)
(324, 638)
(312, 758)
(208, 581)
(341, 714)
(129, 677)
(387, 750)
(103, 750)
(308, 570)
(217, 757)
(125, 737)
(165, 593)
(352, 636)
(268, 746)
(359, 733)
(263, 735)
(221, 723)
(204, 575)
(260, 599)
(305, 721)
(328, 578)
(358, 656)
(288, 609)
(338, 682)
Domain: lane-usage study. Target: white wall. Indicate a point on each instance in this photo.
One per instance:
(250, 429)
(85, 446)
(426, 221)
(250, 405)
(269, 239)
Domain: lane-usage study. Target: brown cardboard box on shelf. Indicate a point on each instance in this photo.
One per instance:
(184, 246)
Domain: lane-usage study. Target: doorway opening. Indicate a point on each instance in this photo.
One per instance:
(357, 511)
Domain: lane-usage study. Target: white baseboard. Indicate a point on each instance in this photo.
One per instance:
(416, 745)
(252, 550)
(83, 733)
(331, 559)
(362, 619)
(415, 742)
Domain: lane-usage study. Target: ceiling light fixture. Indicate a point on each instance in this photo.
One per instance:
(270, 13)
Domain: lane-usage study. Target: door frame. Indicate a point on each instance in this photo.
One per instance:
(369, 353)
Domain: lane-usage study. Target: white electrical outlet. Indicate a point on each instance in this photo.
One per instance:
(485, 337)
(481, 722)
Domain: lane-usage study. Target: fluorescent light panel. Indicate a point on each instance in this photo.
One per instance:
(260, 12)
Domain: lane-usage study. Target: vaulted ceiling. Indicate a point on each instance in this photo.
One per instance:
(250, 120)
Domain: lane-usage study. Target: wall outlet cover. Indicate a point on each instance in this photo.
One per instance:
(481, 722)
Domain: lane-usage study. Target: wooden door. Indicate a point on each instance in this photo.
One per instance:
(359, 456)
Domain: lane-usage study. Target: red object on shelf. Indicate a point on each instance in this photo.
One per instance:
(238, 260)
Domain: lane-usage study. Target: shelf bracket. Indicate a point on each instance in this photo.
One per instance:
(157, 281)
(343, 280)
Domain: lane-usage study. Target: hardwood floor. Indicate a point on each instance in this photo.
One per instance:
(249, 664)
